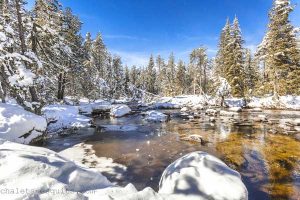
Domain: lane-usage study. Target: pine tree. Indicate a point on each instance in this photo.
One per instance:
(281, 50)
(251, 72)
(169, 86)
(151, 76)
(199, 62)
(235, 72)
(161, 75)
(180, 80)
(222, 60)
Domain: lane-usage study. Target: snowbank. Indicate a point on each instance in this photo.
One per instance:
(119, 110)
(183, 101)
(18, 125)
(199, 176)
(39, 173)
(285, 102)
(156, 116)
(62, 117)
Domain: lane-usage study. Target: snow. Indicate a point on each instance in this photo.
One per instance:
(24, 77)
(41, 172)
(84, 154)
(235, 109)
(235, 102)
(155, 116)
(119, 110)
(195, 101)
(62, 117)
(44, 174)
(89, 107)
(284, 102)
(16, 123)
(201, 176)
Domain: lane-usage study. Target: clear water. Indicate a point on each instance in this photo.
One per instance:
(269, 163)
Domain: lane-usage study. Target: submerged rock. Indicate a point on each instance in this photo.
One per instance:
(200, 176)
(226, 113)
(192, 138)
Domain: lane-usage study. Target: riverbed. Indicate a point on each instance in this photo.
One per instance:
(268, 160)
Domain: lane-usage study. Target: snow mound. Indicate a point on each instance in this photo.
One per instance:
(119, 110)
(235, 102)
(155, 116)
(39, 173)
(194, 101)
(284, 102)
(200, 176)
(18, 125)
(62, 117)
(97, 106)
(235, 109)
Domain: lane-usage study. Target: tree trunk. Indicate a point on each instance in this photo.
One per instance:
(32, 90)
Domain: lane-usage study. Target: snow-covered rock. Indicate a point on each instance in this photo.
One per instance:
(235, 109)
(62, 117)
(94, 107)
(211, 112)
(18, 125)
(156, 116)
(200, 176)
(227, 113)
(235, 102)
(184, 109)
(119, 110)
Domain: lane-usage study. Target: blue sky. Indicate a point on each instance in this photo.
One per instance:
(134, 29)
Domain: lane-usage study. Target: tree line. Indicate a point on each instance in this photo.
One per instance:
(43, 58)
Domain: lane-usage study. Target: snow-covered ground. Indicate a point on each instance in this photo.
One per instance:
(194, 102)
(18, 125)
(60, 117)
(39, 173)
(285, 102)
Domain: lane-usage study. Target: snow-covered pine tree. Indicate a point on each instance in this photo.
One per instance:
(281, 50)
(71, 28)
(222, 55)
(161, 74)
(199, 62)
(170, 76)
(235, 72)
(151, 76)
(117, 78)
(251, 73)
(18, 78)
(180, 80)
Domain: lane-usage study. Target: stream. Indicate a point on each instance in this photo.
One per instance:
(268, 163)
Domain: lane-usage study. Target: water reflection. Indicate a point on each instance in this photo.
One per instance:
(269, 163)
